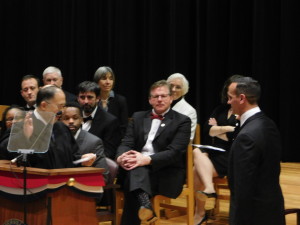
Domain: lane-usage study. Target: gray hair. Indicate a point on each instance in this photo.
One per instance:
(102, 72)
(185, 82)
(52, 69)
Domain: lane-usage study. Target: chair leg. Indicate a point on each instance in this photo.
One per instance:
(119, 206)
(156, 206)
(190, 208)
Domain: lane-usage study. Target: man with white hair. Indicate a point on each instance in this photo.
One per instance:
(52, 75)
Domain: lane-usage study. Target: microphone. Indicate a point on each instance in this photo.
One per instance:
(15, 159)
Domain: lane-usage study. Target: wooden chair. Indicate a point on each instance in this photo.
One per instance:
(222, 190)
(187, 192)
(160, 201)
(294, 210)
(197, 136)
(2, 109)
(107, 212)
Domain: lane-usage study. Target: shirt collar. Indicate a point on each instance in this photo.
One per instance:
(163, 114)
(77, 133)
(248, 114)
(39, 116)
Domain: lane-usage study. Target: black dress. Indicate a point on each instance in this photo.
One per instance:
(220, 159)
(117, 105)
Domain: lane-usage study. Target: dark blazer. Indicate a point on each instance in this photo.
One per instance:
(166, 174)
(70, 97)
(117, 106)
(62, 150)
(107, 127)
(170, 143)
(253, 176)
(89, 143)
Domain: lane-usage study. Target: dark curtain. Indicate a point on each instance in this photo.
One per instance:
(147, 40)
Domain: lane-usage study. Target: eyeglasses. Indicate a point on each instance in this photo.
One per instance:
(161, 96)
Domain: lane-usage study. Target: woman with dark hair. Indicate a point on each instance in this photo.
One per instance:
(10, 115)
(220, 127)
(8, 118)
(110, 101)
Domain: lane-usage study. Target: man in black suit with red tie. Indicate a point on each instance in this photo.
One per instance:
(96, 120)
(152, 155)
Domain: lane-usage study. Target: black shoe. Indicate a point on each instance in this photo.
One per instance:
(201, 195)
(204, 219)
(147, 215)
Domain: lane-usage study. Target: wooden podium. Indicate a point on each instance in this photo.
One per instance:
(55, 196)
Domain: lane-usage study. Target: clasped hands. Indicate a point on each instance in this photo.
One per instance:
(132, 159)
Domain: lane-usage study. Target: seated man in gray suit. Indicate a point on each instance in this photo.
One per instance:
(88, 143)
(152, 155)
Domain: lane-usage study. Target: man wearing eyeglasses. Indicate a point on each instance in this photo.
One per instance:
(53, 144)
(152, 155)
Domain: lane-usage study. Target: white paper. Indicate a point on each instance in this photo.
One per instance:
(210, 147)
(84, 159)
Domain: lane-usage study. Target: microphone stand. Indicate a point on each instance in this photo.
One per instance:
(25, 152)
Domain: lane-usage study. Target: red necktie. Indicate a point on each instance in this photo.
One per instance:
(155, 116)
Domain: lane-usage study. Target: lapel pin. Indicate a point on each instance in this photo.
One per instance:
(162, 125)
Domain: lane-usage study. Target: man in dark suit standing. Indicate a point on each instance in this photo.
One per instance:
(254, 160)
(152, 155)
(96, 120)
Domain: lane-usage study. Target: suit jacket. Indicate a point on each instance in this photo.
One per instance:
(170, 143)
(89, 143)
(70, 97)
(106, 126)
(253, 176)
(186, 109)
(117, 106)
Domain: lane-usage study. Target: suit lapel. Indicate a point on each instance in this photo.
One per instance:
(95, 120)
(80, 138)
(147, 126)
(164, 123)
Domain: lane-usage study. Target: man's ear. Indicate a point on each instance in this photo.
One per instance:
(242, 97)
(43, 105)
